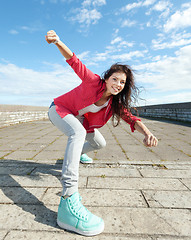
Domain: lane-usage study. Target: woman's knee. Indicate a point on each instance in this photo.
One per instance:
(97, 140)
(101, 144)
(80, 132)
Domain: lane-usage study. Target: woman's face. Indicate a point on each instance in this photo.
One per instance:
(115, 83)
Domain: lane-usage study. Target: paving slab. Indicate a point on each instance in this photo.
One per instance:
(27, 217)
(178, 166)
(187, 183)
(171, 238)
(20, 195)
(49, 155)
(117, 219)
(29, 235)
(146, 155)
(141, 193)
(40, 180)
(34, 147)
(4, 153)
(169, 153)
(113, 152)
(3, 234)
(135, 183)
(15, 170)
(10, 146)
(100, 197)
(106, 172)
(166, 173)
(168, 199)
(21, 155)
(146, 221)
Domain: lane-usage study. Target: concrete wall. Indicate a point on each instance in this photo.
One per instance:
(13, 114)
(175, 111)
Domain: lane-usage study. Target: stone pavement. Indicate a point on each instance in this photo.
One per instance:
(141, 193)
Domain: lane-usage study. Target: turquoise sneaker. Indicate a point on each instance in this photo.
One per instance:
(73, 216)
(85, 159)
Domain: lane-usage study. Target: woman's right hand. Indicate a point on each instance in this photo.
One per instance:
(51, 36)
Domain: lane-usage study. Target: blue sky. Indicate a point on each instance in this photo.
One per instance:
(154, 37)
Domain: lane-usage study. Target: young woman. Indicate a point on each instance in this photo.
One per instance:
(78, 114)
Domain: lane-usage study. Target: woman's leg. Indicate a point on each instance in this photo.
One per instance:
(72, 215)
(95, 141)
(76, 133)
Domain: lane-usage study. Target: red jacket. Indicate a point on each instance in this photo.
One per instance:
(88, 92)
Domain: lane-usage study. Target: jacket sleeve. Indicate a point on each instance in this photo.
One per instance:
(81, 70)
(130, 119)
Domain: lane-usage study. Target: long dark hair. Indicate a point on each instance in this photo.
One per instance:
(127, 97)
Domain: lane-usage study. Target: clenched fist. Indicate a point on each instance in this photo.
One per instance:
(150, 141)
(52, 37)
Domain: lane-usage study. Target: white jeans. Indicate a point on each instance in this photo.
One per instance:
(76, 145)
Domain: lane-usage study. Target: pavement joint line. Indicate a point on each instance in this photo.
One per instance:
(140, 173)
(96, 206)
(141, 142)
(44, 148)
(166, 221)
(2, 158)
(180, 179)
(118, 235)
(113, 189)
(41, 198)
(124, 152)
(87, 182)
(144, 198)
(8, 231)
(29, 173)
(189, 155)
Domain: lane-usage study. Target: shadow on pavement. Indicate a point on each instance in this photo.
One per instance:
(34, 206)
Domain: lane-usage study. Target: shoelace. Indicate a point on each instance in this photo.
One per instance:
(80, 209)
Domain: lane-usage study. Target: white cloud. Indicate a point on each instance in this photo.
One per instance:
(120, 44)
(158, 45)
(95, 3)
(148, 2)
(13, 32)
(83, 55)
(128, 56)
(17, 82)
(87, 17)
(111, 56)
(87, 14)
(134, 5)
(33, 27)
(176, 40)
(125, 43)
(182, 96)
(101, 56)
(161, 6)
(116, 40)
(128, 23)
(180, 19)
(168, 73)
(131, 6)
(99, 2)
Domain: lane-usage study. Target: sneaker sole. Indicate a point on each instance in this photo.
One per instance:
(85, 162)
(85, 233)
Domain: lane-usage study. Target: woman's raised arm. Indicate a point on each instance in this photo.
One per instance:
(52, 37)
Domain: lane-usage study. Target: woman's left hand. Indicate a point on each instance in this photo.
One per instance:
(150, 140)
